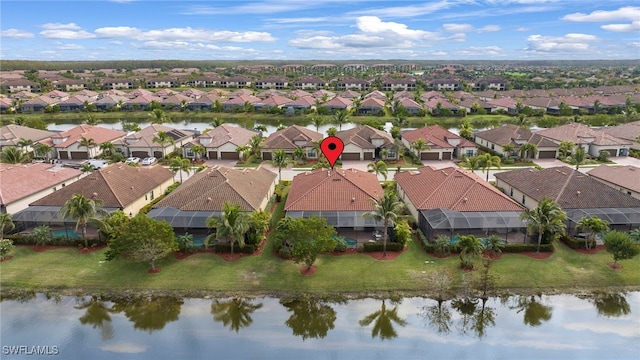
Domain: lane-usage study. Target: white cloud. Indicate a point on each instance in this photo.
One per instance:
(59, 26)
(488, 28)
(457, 28)
(124, 347)
(15, 34)
(481, 51)
(411, 10)
(183, 34)
(69, 47)
(624, 28)
(439, 53)
(522, 28)
(624, 13)
(66, 34)
(566, 43)
(118, 32)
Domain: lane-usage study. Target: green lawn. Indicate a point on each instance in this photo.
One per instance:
(66, 268)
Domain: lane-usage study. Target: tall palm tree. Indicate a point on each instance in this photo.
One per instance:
(378, 168)
(86, 167)
(579, 156)
(255, 145)
(280, 160)
(235, 313)
(470, 247)
(508, 149)
(528, 149)
(6, 224)
(12, 155)
(107, 148)
(158, 116)
(216, 122)
(299, 154)
(565, 148)
(487, 161)
(198, 151)
(341, 117)
(24, 144)
(232, 225)
(82, 210)
(419, 146)
(384, 319)
(592, 226)
(473, 163)
(87, 143)
(179, 165)
(466, 130)
(547, 217)
(43, 150)
(387, 208)
(163, 138)
(317, 121)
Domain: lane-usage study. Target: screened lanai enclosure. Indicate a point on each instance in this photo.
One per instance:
(340, 219)
(505, 224)
(184, 220)
(34, 216)
(621, 219)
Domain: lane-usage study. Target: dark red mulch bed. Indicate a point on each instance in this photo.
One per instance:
(379, 255)
(154, 271)
(615, 266)
(306, 271)
(490, 255)
(594, 250)
(534, 255)
(89, 250)
(43, 248)
(6, 258)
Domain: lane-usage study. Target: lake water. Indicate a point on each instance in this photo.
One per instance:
(545, 327)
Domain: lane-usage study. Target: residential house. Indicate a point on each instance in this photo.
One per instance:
(350, 94)
(140, 144)
(193, 93)
(353, 84)
(11, 135)
(591, 140)
(23, 184)
(205, 81)
(506, 104)
(240, 102)
(117, 187)
(238, 82)
(301, 103)
(75, 103)
(443, 144)
(38, 104)
(204, 194)
(165, 93)
(473, 105)
(162, 83)
(338, 103)
(376, 94)
(435, 106)
(278, 83)
(116, 84)
(309, 83)
(71, 85)
(323, 94)
(445, 84)
(370, 106)
(6, 104)
(355, 67)
(289, 139)
(413, 107)
(623, 178)
(177, 101)
(204, 102)
(629, 132)
(109, 102)
(340, 196)
(454, 201)
(141, 102)
(18, 85)
(495, 83)
(404, 84)
(576, 193)
(296, 94)
(495, 139)
(221, 143)
(367, 143)
(66, 144)
(275, 101)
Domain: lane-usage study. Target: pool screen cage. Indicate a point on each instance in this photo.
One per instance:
(339, 219)
(621, 219)
(34, 216)
(436, 222)
(183, 219)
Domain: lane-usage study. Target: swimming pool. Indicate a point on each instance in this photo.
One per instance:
(351, 242)
(65, 233)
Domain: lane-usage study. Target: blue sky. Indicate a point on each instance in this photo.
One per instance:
(320, 30)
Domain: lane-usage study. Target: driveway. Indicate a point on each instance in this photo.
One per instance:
(626, 160)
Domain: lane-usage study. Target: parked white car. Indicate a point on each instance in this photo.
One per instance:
(133, 160)
(98, 164)
(149, 160)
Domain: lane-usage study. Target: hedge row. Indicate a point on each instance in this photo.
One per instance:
(576, 243)
(226, 248)
(56, 240)
(516, 248)
(378, 246)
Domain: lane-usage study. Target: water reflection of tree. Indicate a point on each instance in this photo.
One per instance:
(534, 311)
(466, 307)
(383, 320)
(438, 316)
(483, 318)
(310, 318)
(234, 313)
(611, 304)
(97, 315)
(151, 313)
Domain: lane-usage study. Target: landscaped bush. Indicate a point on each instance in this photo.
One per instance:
(145, 209)
(577, 243)
(341, 245)
(378, 246)
(171, 187)
(226, 248)
(516, 248)
(285, 252)
(57, 240)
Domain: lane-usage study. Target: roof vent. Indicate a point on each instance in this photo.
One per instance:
(209, 199)
(578, 193)
(328, 173)
(465, 200)
(353, 199)
(95, 195)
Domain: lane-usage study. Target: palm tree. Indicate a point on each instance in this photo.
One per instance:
(86, 167)
(232, 225)
(317, 122)
(379, 168)
(579, 156)
(299, 154)
(495, 244)
(470, 247)
(216, 122)
(528, 149)
(565, 149)
(12, 155)
(82, 210)
(593, 226)
(6, 223)
(419, 146)
(158, 116)
(487, 161)
(384, 319)
(341, 117)
(547, 218)
(466, 130)
(87, 143)
(508, 149)
(387, 208)
(399, 121)
(332, 131)
(523, 122)
(235, 313)
(473, 163)
(163, 138)
(255, 145)
(108, 148)
(280, 160)
(198, 151)
(24, 144)
(178, 164)
(43, 150)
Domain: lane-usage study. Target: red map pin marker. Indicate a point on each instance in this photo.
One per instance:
(332, 148)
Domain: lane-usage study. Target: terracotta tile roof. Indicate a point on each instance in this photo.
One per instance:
(226, 133)
(505, 134)
(144, 99)
(436, 137)
(284, 139)
(117, 185)
(209, 189)
(297, 94)
(111, 100)
(240, 100)
(580, 134)
(11, 134)
(275, 100)
(144, 137)
(409, 103)
(318, 94)
(433, 103)
(176, 99)
(333, 190)
(503, 102)
(338, 102)
(571, 189)
(453, 189)
(361, 136)
(19, 181)
(628, 131)
(372, 102)
(97, 133)
(624, 176)
(305, 102)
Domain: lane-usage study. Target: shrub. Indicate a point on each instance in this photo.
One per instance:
(341, 245)
(226, 248)
(442, 246)
(402, 232)
(577, 243)
(378, 246)
(285, 252)
(6, 246)
(185, 243)
(603, 155)
(171, 187)
(42, 235)
(145, 209)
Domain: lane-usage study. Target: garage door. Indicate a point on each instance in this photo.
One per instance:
(549, 154)
(266, 156)
(446, 156)
(368, 156)
(63, 155)
(229, 155)
(79, 155)
(350, 156)
(429, 156)
(140, 154)
(612, 152)
(157, 154)
(213, 155)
